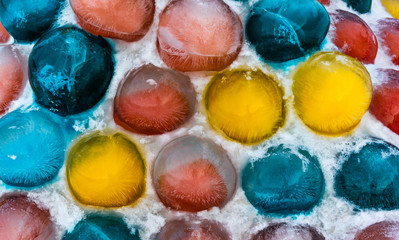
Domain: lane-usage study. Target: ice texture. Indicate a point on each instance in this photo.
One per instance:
(70, 70)
(193, 230)
(27, 20)
(286, 231)
(283, 182)
(353, 36)
(199, 35)
(325, 2)
(194, 174)
(392, 6)
(282, 30)
(105, 170)
(361, 6)
(32, 148)
(369, 178)
(245, 105)
(4, 35)
(121, 19)
(23, 219)
(385, 103)
(389, 35)
(385, 230)
(101, 227)
(153, 100)
(332, 92)
(12, 76)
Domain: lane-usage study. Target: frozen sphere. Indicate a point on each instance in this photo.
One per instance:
(385, 230)
(4, 35)
(388, 32)
(285, 231)
(361, 6)
(392, 6)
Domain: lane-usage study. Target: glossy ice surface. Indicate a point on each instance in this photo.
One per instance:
(283, 181)
(12, 76)
(392, 6)
(361, 6)
(105, 171)
(4, 35)
(70, 70)
(193, 230)
(32, 148)
(193, 174)
(384, 230)
(285, 231)
(389, 36)
(370, 178)
(27, 20)
(281, 30)
(153, 100)
(246, 105)
(121, 19)
(332, 92)
(354, 37)
(199, 35)
(22, 219)
(325, 2)
(101, 227)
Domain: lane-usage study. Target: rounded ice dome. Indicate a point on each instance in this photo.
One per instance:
(105, 171)
(392, 6)
(27, 20)
(152, 100)
(388, 33)
(369, 178)
(21, 218)
(193, 174)
(193, 230)
(361, 6)
(245, 105)
(32, 148)
(385, 230)
(101, 227)
(332, 92)
(282, 30)
(128, 20)
(283, 182)
(197, 35)
(70, 70)
(285, 231)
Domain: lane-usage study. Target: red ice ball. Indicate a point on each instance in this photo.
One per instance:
(325, 2)
(4, 35)
(199, 35)
(353, 36)
(389, 35)
(385, 103)
(288, 232)
(121, 19)
(21, 218)
(12, 76)
(152, 100)
(384, 230)
(193, 174)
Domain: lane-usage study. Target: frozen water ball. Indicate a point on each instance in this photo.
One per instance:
(153, 100)
(101, 227)
(21, 218)
(389, 35)
(105, 171)
(4, 35)
(246, 105)
(26, 20)
(32, 148)
(193, 174)
(384, 105)
(392, 6)
(353, 36)
(193, 230)
(199, 35)
(70, 70)
(283, 182)
(282, 30)
(325, 2)
(361, 6)
(285, 231)
(121, 19)
(385, 230)
(369, 178)
(12, 76)
(332, 92)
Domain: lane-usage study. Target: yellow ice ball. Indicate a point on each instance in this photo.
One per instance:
(332, 92)
(246, 105)
(392, 6)
(105, 171)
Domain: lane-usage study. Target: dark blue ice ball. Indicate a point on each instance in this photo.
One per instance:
(283, 181)
(32, 148)
(98, 227)
(282, 30)
(361, 6)
(27, 20)
(369, 178)
(70, 70)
